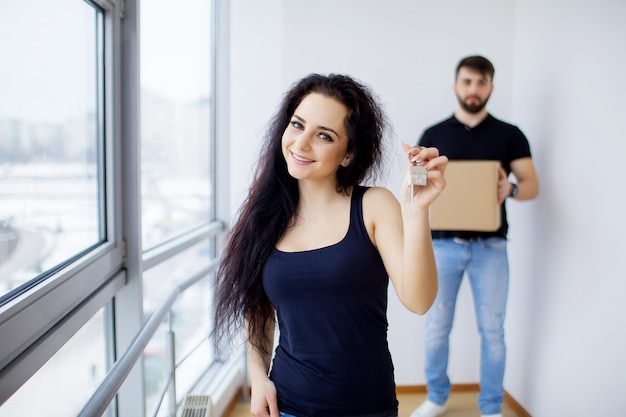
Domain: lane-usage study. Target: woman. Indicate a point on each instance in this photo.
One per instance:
(314, 250)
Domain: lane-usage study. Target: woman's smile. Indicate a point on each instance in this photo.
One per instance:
(302, 159)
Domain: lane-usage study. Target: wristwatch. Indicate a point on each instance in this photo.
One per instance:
(514, 190)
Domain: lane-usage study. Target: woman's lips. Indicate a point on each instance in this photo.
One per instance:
(300, 158)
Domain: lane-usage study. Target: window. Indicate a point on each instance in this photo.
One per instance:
(175, 118)
(84, 256)
(189, 324)
(50, 137)
(47, 393)
(176, 182)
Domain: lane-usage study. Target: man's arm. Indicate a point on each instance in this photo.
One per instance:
(527, 182)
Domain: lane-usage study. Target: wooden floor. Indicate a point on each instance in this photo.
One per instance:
(460, 404)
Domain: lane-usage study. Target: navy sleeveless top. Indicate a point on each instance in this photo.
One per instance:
(332, 358)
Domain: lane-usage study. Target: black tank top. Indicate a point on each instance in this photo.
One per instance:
(332, 359)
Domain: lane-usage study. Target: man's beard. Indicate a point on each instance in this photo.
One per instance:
(474, 107)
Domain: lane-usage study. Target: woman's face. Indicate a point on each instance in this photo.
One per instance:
(315, 142)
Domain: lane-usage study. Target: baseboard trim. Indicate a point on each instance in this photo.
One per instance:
(515, 406)
(419, 389)
(508, 398)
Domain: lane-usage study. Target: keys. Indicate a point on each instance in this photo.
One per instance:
(417, 176)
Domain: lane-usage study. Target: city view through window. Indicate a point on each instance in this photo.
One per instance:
(50, 137)
(53, 147)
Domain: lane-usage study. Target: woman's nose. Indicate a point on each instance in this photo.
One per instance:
(303, 140)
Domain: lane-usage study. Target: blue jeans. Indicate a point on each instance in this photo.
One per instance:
(486, 264)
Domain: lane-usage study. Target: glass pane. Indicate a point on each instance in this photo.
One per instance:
(190, 321)
(65, 383)
(175, 117)
(49, 133)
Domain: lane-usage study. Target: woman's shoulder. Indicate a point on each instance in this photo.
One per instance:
(379, 197)
(381, 192)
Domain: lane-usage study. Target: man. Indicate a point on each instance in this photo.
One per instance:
(473, 133)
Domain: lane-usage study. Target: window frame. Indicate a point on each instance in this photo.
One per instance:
(36, 323)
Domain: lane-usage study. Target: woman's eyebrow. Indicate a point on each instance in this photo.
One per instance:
(300, 119)
(329, 129)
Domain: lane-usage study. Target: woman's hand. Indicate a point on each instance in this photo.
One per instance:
(263, 401)
(435, 165)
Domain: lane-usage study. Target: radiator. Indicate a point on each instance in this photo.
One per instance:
(197, 406)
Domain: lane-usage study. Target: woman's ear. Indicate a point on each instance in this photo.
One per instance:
(346, 160)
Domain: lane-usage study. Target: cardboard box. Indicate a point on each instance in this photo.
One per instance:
(470, 199)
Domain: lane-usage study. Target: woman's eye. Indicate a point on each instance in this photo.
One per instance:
(296, 124)
(325, 136)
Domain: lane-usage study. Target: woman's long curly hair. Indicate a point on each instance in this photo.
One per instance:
(273, 197)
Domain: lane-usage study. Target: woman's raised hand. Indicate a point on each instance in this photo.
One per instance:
(435, 165)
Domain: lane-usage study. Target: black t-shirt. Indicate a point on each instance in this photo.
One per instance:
(491, 139)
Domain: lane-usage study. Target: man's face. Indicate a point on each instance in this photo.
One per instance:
(472, 89)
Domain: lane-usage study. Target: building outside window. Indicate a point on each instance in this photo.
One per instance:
(58, 189)
(50, 137)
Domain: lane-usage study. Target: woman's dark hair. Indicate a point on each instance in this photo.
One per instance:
(273, 197)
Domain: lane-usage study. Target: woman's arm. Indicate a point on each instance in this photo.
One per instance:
(263, 401)
(402, 232)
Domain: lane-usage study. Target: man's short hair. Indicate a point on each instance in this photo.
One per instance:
(476, 63)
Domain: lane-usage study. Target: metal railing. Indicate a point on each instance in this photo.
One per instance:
(108, 389)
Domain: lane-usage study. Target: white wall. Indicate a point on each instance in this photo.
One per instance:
(567, 317)
(560, 69)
